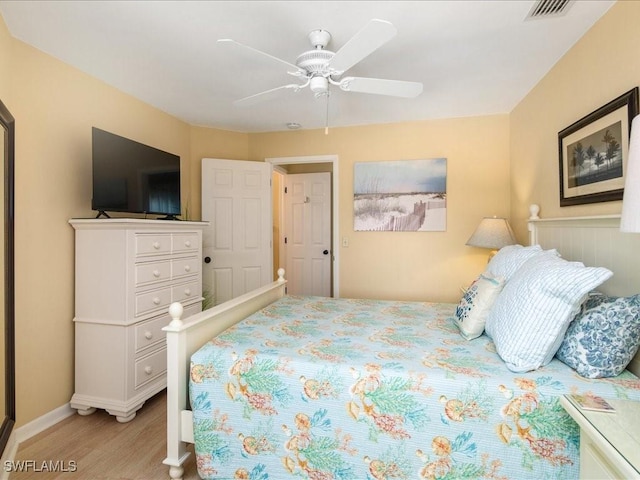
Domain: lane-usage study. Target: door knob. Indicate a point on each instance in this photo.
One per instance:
(326, 252)
(207, 259)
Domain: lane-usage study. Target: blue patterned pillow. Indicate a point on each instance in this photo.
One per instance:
(472, 311)
(604, 337)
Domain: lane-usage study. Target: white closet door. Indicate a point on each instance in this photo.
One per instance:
(308, 234)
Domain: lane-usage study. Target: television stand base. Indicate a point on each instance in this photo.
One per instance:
(102, 213)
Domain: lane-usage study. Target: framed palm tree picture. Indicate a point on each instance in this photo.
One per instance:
(593, 153)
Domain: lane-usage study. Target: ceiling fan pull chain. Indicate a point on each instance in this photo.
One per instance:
(326, 123)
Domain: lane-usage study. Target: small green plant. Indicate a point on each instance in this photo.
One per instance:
(209, 300)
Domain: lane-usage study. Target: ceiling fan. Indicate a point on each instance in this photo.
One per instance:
(319, 68)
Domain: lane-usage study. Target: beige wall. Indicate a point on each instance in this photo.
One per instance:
(411, 265)
(5, 56)
(604, 64)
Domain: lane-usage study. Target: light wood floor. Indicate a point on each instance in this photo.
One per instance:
(104, 449)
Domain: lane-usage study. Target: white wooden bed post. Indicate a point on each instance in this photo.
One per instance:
(183, 339)
(176, 392)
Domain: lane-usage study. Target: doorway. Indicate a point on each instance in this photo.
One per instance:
(303, 167)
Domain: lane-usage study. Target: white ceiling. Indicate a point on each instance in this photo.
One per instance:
(473, 57)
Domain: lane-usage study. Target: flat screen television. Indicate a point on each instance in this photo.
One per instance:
(134, 178)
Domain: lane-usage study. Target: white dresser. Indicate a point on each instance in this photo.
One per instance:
(128, 271)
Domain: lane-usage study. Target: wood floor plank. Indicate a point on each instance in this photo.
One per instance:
(102, 449)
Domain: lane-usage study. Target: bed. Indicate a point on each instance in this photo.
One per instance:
(310, 387)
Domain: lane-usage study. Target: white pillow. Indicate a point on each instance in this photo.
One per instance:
(472, 311)
(510, 258)
(530, 317)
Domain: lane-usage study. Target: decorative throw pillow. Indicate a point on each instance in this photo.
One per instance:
(604, 336)
(476, 303)
(530, 317)
(510, 258)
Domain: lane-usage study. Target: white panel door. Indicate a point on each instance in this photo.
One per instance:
(236, 201)
(308, 233)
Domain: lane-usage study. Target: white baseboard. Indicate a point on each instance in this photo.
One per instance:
(9, 454)
(40, 424)
(31, 429)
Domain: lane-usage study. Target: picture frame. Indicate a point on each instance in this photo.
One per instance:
(400, 196)
(593, 153)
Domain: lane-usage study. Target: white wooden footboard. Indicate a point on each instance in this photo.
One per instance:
(183, 339)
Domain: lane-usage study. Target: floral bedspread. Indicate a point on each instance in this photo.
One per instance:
(323, 388)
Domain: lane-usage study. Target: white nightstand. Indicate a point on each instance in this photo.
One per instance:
(609, 442)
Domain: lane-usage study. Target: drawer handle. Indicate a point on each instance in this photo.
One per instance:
(148, 335)
(156, 301)
(187, 243)
(156, 273)
(187, 268)
(187, 291)
(148, 370)
(156, 245)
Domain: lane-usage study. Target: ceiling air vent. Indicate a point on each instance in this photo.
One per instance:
(549, 8)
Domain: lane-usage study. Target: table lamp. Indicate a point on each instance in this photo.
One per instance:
(493, 233)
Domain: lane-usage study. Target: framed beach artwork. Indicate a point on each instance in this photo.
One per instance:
(400, 196)
(593, 153)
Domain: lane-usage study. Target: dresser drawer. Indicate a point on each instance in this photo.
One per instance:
(150, 332)
(150, 367)
(185, 242)
(153, 300)
(185, 266)
(152, 272)
(186, 291)
(152, 244)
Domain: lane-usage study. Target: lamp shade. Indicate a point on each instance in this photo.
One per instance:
(493, 232)
(630, 220)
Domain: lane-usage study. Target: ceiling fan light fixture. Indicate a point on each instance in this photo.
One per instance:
(319, 85)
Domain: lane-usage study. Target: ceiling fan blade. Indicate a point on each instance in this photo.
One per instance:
(294, 70)
(394, 88)
(374, 34)
(266, 95)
